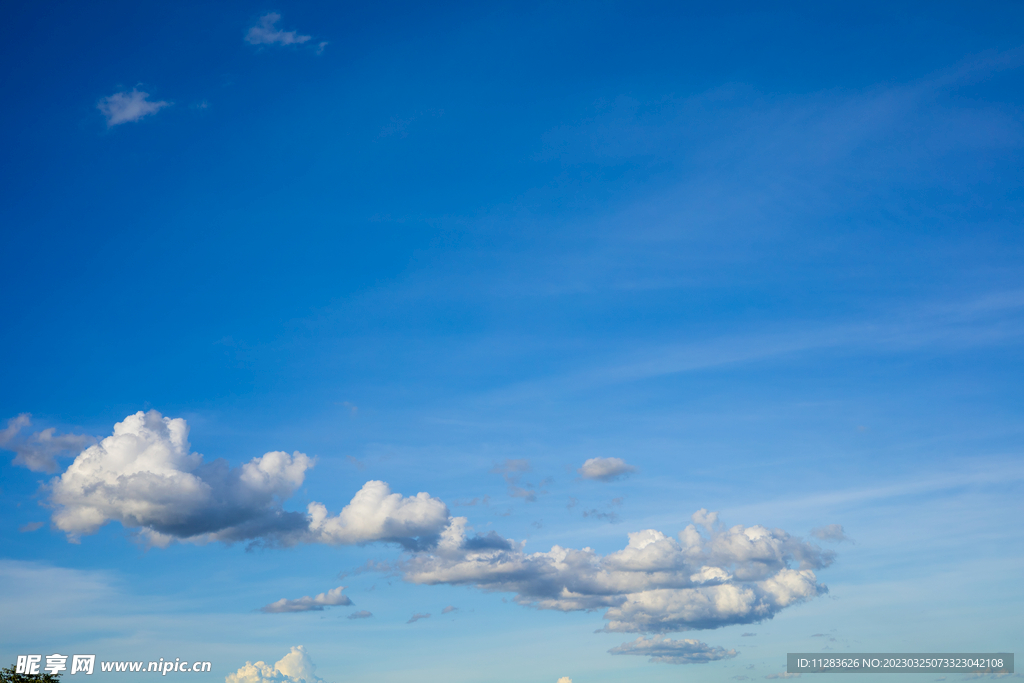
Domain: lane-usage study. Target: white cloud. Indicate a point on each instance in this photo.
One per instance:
(449, 609)
(564, 679)
(38, 452)
(145, 477)
(662, 649)
(265, 33)
(710, 577)
(361, 614)
(294, 667)
(126, 107)
(831, 532)
(331, 598)
(605, 469)
(377, 514)
(784, 674)
(416, 617)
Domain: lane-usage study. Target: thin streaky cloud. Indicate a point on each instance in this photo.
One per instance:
(668, 651)
(992, 319)
(1000, 472)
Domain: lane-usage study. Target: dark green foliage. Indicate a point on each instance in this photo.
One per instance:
(9, 676)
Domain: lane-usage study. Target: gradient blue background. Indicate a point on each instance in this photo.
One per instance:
(770, 255)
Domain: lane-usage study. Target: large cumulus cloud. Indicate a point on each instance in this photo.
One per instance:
(710, 577)
(145, 476)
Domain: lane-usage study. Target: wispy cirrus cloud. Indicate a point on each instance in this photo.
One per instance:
(512, 471)
(830, 532)
(128, 107)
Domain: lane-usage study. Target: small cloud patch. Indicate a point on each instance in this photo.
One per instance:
(331, 598)
(265, 32)
(128, 107)
(605, 469)
(38, 452)
(831, 532)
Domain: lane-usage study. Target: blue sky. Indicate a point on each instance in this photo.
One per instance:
(572, 271)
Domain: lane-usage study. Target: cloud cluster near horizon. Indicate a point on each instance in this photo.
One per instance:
(294, 667)
(145, 476)
(711, 577)
(331, 598)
